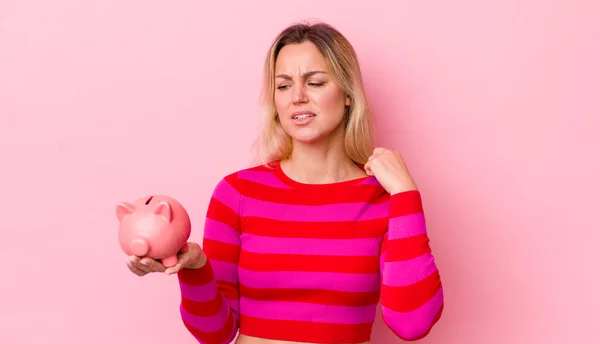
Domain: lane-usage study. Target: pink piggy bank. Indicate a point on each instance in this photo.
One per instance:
(155, 226)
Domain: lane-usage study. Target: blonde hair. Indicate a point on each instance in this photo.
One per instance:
(274, 143)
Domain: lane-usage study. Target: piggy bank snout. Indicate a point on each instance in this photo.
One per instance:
(139, 246)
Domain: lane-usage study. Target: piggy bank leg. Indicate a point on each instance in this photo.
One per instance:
(170, 261)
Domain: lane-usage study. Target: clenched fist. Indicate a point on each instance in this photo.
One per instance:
(390, 170)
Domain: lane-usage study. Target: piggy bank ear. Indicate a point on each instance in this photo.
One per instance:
(163, 208)
(124, 209)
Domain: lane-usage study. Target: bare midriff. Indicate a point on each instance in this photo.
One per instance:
(244, 339)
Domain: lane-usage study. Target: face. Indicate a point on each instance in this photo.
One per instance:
(310, 104)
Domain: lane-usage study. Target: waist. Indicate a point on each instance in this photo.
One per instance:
(305, 329)
(245, 339)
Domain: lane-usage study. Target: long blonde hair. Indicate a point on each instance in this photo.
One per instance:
(273, 142)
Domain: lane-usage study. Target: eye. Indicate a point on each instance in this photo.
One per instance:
(316, 84)
(282, 87)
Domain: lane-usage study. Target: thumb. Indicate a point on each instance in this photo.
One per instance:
(183, 259)
(367, 169)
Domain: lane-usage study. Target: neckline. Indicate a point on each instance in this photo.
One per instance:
(300, 185)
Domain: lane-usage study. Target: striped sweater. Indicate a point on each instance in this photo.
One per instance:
(309, 263)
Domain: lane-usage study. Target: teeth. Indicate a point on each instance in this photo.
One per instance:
(302, 116)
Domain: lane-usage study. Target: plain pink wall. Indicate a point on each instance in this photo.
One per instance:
(493, 104)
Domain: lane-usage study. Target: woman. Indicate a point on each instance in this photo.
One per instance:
(301, 248)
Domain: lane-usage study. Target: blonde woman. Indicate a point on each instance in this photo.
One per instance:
(302, 247)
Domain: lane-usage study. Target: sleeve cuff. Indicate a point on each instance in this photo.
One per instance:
(201, 276)
(406, 203)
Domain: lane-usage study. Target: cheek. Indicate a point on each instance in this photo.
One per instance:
(281, 103)
(331, 101)
(282, 106)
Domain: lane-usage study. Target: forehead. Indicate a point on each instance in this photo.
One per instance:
(299, 58)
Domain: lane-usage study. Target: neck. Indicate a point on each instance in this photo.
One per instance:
(321, 163)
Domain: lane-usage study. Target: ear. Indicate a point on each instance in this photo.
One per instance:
(163, 208)
(348, 101)
(124, 209)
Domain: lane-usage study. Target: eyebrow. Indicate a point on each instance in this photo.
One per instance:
(307, 74)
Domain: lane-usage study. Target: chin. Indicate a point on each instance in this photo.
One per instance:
(314, 132)
(307, 135)
(307, 139)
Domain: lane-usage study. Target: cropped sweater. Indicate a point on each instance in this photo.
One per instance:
(309, 263)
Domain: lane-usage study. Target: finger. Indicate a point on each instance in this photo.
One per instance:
(133, 261)
(175, 268)
(379, 150)
(136, 262)
(373, 160)
(183, 259)
(138, 272)
(132, 265)
(368, 170)
(151, 265)
(144, 268)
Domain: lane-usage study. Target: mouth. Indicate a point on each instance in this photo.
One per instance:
(302, 115)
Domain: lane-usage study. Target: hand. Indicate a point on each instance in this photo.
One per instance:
(190, 256)
(390, 170)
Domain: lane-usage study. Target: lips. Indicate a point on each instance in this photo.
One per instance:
(302, 118)
(303, 114)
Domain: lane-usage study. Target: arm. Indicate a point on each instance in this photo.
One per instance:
(210, 294)
(411, 296)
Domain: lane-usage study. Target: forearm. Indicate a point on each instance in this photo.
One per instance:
(209, 288)
(412, 294)
(205, 310)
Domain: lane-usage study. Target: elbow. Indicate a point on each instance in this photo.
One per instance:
(411, 329)
(410, 334)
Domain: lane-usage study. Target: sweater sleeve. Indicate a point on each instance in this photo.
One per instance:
(210, 295)
(412, 297)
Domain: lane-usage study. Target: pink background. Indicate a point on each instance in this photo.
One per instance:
(493, 104)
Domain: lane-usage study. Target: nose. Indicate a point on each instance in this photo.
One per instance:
(299, 94)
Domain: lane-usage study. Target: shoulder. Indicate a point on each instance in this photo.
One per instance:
(248, 173)
(238, 179)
